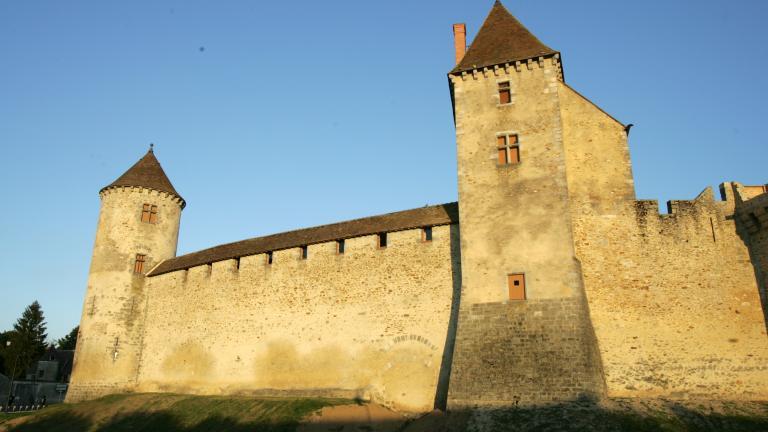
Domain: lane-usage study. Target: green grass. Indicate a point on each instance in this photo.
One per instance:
(636, 415)
(6, 417)
(172, 413)
(185, 413)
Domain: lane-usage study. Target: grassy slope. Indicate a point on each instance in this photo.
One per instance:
(182, 413)
(637, 415)
(163, 412)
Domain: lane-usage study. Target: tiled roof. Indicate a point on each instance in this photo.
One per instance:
(501, 39)
(147, 173)
(443, 214)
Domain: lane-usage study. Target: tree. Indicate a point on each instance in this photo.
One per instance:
(69, 341)
(4, 338)
(27, 341)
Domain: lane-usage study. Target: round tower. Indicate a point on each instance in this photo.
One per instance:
(138, 228)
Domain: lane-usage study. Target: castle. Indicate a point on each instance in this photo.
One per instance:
(547, 281)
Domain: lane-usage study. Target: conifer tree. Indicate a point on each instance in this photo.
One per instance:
(27, 340)
(69, 341)
(4, 338)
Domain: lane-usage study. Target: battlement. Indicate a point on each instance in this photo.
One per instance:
(150, 192)
(424, 217)
(753, 213)
(508, 68)
(748, 192)
(685, 219)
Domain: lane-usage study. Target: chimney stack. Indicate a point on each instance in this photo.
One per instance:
(460, 40)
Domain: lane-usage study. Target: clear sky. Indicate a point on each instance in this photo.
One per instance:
(271, 116)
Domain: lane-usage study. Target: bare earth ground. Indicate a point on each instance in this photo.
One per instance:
(184, 413)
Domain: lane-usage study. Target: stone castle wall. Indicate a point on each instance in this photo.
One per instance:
(752, 218)
(369, 323)
(674, 300)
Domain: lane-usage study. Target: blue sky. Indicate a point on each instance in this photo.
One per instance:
(270, 116)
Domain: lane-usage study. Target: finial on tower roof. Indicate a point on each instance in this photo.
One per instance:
(147, 173)
(151, 147)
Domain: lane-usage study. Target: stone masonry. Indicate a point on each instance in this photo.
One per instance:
(548, 281)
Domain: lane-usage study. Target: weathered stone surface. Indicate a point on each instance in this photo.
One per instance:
(524, 353)
(112, 322)
(370, 323)
(674, 300)
(620, 300)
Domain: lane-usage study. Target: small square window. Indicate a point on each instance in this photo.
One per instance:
(426, 234)
(340, 247)
(138, 264)
(382, 240)
(505, 94)
(516, 286)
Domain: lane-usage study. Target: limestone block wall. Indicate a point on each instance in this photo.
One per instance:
(532, 352)
(111, 324)
(369, 323)
(752, 218)
(598, 167)
(674, 301)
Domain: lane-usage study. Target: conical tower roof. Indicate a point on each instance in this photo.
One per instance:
(501, 39)
(146, 173)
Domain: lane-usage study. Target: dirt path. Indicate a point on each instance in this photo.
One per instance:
(353, 418)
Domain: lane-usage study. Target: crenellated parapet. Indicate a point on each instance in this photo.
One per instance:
(551, 61)
(751, 207)
(145, 191)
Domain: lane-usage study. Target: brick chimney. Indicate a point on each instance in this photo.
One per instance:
(460, 40)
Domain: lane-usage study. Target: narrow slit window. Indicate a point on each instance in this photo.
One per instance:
(237, 263)
(304, 252)
(508, 149)
(269, 258)
(382, 240)
(426, 234)
(340, 247)
(516, 285)
(138, 265)
(505, 94)
(149, 213)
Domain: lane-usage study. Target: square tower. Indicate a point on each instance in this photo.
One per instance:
(523, 332)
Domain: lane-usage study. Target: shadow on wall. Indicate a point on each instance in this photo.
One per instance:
(441, 395)
(581, 415)
(614, 415)
(757, 245)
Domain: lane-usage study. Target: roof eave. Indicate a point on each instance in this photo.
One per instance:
(458, 70)
(182, 202)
